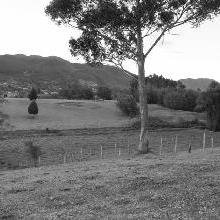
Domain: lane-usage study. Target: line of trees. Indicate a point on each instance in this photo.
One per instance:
(166, 92)
(78, 91)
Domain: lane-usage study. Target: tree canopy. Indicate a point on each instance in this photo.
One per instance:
(109, 27)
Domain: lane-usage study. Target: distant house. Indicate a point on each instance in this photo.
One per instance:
(12, 94)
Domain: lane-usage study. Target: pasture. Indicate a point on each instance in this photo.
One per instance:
(89, 168)
(72, 114)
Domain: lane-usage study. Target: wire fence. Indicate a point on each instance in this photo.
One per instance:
(96, 146)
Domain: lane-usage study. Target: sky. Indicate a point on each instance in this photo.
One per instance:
(187, 53)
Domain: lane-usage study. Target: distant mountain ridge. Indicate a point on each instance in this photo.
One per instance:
(200, 83)
(56, 72)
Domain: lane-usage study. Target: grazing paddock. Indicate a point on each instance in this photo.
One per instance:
(66, 114)
(62, 114)
(92, 144)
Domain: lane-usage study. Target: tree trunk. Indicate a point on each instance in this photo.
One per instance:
(143, 141)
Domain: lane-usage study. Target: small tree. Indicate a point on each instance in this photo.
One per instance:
(104, 92)
(33, 94)
(33, 108)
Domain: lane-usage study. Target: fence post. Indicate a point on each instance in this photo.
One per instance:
(176, 143)
(190, 147)
(161, 146)
(204, 138)
(212, 143)
(81, 154)
(64, 158)
(119, 152)
(39, 161)
(115, 149)
(101, 152)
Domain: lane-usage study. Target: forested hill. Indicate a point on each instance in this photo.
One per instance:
(54, 71)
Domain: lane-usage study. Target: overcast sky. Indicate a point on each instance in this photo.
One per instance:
(25, 29)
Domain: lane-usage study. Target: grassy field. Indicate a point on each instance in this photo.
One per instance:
(65, 114)
(182, 186)
(61, 114)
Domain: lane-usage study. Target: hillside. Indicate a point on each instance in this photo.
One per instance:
(54, 72)
(182, 186)
(200, 83)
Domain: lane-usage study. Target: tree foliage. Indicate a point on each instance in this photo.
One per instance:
(76, 91)
(33, 108)
(209, 101)
(109, 27)
(33, 94)
(104, 92)
(181, 100)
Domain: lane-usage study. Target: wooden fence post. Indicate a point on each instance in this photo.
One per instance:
(115, 149)
(161, 146)
(64, 158)
(204, 138)
(39, 161)
(176, 143)
(190, 147)
(101, 152)
(212, 143)
(119, 152)
(81, 154)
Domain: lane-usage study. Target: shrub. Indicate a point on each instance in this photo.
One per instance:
(33, 94)
(33, 108)
(104, 93)
(34, 151)
(210, 101)
(127, 105)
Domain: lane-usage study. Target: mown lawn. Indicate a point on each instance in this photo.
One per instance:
(183, 186)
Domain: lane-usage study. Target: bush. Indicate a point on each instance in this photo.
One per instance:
(33, 108)
(104, 93)
(33, 94)
(34, 151)
(210, 101)
(127, 105)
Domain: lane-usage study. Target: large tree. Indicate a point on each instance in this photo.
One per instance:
(118, 30)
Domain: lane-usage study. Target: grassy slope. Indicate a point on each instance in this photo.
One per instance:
(62, 114)
(179, 186)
